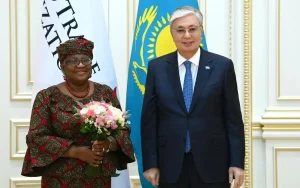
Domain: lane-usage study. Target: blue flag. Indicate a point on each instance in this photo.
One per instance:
(152, 39)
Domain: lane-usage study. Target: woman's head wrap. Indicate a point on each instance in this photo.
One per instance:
(78, 45)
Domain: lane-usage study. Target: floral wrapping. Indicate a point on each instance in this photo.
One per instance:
(53, 129)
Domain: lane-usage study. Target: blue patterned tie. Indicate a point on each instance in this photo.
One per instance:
(188, 95)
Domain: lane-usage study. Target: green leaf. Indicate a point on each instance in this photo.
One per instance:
(75, 110)
(115, 175)
(84, 129)
(93, 171)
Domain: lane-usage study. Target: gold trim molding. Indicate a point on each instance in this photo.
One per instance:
(287, 98)
(276, 127)
(281, 117)
(203, 10)
(280, 127)
(281, 98)
(15, 126)
(30, 81)
(248, 91)
(278, 51)
(257, 126)
(15, 94)
(276, 151)
(283, 110)
(25, 182)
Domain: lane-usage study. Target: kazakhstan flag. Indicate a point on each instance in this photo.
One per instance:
(152, 39)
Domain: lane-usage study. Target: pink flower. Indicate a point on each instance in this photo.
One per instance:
(105, 105)
(99, 121)
(97, 103)
(96, 124)
(107, 125)
(110, 120)
(91, 114)
(110, 117)
(114, 126)
(105, 117)
(94, 103)
(109, 113)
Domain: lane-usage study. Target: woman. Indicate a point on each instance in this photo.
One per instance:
(57, 150)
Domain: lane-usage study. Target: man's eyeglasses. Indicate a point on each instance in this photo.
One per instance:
(191, 30)
(76, 62)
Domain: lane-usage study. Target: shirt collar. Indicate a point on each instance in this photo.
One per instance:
(195, 59)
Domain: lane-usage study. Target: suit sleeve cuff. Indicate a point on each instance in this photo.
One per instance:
(238, 162)
(149, 162)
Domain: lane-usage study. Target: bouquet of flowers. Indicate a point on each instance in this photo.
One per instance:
(100, 120)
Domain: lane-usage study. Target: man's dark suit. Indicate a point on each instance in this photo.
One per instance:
(214, 120)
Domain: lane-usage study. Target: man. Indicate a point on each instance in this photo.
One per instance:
(191, 127)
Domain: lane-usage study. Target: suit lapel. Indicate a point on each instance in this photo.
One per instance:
(173, 75)
(204, 70)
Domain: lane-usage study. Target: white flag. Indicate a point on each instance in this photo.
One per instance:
(61, 21)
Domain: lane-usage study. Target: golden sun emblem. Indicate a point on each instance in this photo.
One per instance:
(160, 42)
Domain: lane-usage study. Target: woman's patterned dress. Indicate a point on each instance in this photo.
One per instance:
(53, 129)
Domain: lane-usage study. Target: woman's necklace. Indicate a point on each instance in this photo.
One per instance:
(75, 95)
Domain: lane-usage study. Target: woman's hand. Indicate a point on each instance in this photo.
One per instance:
(109, 144)
(100, 147)
(85, 154)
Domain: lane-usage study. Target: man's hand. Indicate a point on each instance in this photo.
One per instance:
(152, 175)
(238, 175)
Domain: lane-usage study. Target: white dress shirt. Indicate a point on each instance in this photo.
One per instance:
(194, 66)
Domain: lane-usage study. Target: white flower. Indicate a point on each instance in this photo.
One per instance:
(120, 119)
(86, 120)
(99, 110)
(91, 121)
(92, 107)
(115, 111)
(83, 111)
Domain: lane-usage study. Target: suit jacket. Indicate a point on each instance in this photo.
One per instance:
(214, 120)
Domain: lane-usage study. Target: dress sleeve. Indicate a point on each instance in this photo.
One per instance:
(125, 153)
(43, 147)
